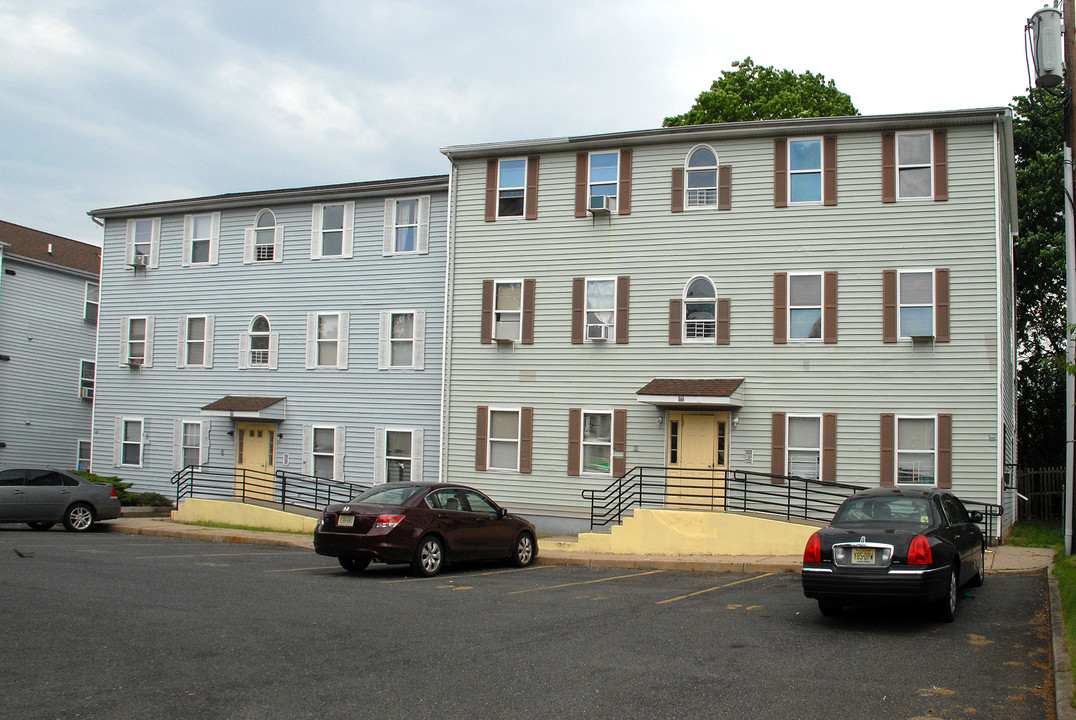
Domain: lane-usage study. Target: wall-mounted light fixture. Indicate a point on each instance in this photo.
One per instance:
(231, 433)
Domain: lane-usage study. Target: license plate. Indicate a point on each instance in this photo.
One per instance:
(862, 556)
(345, 521)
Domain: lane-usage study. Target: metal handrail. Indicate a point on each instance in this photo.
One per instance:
(287, 489)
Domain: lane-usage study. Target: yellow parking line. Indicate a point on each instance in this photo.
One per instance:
(719, 587)
(587, 582)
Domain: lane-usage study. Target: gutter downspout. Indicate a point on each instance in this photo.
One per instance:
(446, 335)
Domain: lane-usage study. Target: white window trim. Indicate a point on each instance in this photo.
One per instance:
(523, 214)
(346, 244)
(616, 180)
(343, 323)
(188, 239)
(522, 307)
(821, 307)
(896, 450)
(245, 351)
(490, 439)
(583, 442)
(154, 244)
(118, 441)
(82, 386)
(184, 341)
(586, 296)
(339, 439)
(78, 454)
(821, 171)
(697, 301)
(381, 457)
(422, 232)
(789, 448)
(688, 207)
(933, 301)
(125, 339)
(178, 438)
(250, 236)
(898, 167)
(418, 340)
(87, 302)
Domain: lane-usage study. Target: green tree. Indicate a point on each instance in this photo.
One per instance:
(752, 92)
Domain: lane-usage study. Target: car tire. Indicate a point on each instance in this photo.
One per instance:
(40, 525)
(980, 575)
(79, 518)
(946, 607)
(429, 556)
(829, 608)
(525, 550)
(354, 563)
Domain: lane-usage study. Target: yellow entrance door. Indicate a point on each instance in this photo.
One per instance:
(254, 463)
(697, 459)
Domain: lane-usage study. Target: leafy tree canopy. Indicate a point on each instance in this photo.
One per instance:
(752, 92)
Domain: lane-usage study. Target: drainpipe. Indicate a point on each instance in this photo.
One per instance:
(446, 334)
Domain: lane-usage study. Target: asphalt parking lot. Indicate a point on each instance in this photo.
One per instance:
(114, 626)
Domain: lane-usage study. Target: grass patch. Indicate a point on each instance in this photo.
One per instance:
(1036, 534)
(227, 526)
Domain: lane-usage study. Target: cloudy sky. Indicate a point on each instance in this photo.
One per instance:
(114, 102)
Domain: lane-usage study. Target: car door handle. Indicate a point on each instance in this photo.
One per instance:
(16, 492)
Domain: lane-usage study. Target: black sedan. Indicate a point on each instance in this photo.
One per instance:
(42, 497)
(424, 524)
(895, 544)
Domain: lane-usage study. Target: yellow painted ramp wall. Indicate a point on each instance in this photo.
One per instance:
(195, 510)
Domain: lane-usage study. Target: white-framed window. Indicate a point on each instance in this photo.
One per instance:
(201, 235)
(142, 247)
(597, 444)
(915, 293)
(195, 341)
(804, 447)
(327, 340)
(511, 187)
(701, 170)
(503, 442)
(265, 241)
(258, 346)
(915, 171)
(407, 226)
(917, 450)
(401, 340)
(508, 310)
(397, 454)
(92, 303)
(190, 443)
(333, 228)
(600, 309)
(85, 452)
(323, 451)
(129, 440)
(805, 306)
(700, 310)
(805, 170)
(603, 178)
(136, 341)
(87, 376)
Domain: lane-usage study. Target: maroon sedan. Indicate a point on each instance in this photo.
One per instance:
(424, 524)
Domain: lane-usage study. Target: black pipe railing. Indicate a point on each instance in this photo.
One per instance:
(283, 488)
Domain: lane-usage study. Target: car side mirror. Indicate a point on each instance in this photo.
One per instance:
(976, 516)
(501, 512)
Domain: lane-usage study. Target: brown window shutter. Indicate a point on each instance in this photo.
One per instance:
(886, 454)
(531, 209)
(620, 442)
(487, 312)
(677, 199)
(623, 201)
(780, 308)
(829, 309)
(780, 172)
(723, 312)
(941, 304)
(676, 314)
(623, 302)
(581, 167)
(829, 447)
(889, 167)
(829, 170)
(889, 306)
(491, 190)
(526, 438)
(944, 474)
(528, 312)
(941, 165)
(577, 310)
(575, 439)
(777, 447)
(724, 187)
(481, 436)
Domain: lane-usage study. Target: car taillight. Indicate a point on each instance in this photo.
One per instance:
(919, 551)
(113, 493)
(813, 552)
(388, 521)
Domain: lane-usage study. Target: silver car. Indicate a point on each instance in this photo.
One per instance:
(42, 497)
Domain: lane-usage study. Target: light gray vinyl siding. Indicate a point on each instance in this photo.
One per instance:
(357, 399)
(43, 331)
(858, 378)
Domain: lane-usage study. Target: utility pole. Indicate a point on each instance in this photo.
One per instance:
(1069, 35)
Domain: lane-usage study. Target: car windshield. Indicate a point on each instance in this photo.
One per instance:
(387, 495)
(884, 510)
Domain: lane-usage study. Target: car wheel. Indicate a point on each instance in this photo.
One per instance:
(980, 575)
(40, 525)
(354, 564)
(947, 605)
(79, 518)
(524, 553)
(829, 608)
(429, 556)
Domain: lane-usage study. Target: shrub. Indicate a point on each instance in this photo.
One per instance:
(129, 499)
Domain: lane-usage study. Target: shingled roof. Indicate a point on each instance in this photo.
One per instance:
(34, 245)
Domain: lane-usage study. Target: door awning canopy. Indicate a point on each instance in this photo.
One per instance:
(693, 392)
(245, 407)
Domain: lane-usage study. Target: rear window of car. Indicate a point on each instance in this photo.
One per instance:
(885, 510)
(387, 496)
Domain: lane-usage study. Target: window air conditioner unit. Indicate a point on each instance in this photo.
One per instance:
(85, 393)
(135, 363)
(598, 332)
(140, 261)
(601, 204)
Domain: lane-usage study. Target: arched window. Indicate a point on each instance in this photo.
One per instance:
(701, 169)
(700, 309)
(259, 341)
(264, 236)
